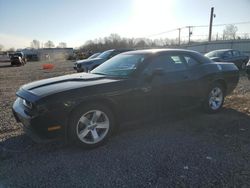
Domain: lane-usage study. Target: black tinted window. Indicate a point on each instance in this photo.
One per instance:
(236, 53)
(178, 62)
(160, 62)
(167, 62)
(227, 54)
(190, 61)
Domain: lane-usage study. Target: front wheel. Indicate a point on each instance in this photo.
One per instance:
(214, 99)
(91, 126)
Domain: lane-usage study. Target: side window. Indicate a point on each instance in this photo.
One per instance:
(191, 61)
(167, 62)
(160, 62)
(236, 53)
(227, 54)
(178, 62)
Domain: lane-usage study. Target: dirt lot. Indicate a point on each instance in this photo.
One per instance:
(11, 78)
(190, 149)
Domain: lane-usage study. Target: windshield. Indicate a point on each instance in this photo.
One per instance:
(105, 55)
(215, 54)
(121, 65)
(18, 54)
(94, 56)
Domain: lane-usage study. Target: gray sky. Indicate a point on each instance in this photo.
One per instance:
(77, 21)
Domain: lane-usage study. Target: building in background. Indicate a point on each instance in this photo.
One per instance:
(48, 53)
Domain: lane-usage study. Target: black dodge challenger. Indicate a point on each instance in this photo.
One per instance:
(86, 107)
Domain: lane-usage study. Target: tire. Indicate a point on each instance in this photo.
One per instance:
(214, 99)
(91, 126)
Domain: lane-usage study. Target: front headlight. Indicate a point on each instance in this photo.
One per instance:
(27, 103)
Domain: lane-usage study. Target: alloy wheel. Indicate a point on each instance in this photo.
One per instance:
(93, 127)
(215, 98)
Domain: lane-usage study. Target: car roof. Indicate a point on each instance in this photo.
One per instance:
(222, 50)
(157, 51)
(123, 49)
(119, 49)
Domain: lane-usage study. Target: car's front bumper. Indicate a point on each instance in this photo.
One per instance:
(36, 127)
(80, 68)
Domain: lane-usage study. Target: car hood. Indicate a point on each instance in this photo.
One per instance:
(64, 83)
(89, 61)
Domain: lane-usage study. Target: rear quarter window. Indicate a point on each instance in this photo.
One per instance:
(191, 62)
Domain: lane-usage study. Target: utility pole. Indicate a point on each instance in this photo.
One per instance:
(211, 24)
(179, 36)
(189, 33)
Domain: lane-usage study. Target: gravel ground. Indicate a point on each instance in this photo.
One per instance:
(11, 78)
(188, 149)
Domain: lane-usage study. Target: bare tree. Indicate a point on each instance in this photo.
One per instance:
(114, 41)
(12, 49)
(1, 47)
(245, 36)
(49, 44)
(230, 32)
(141, 43)
(35, 44)
(62, 45)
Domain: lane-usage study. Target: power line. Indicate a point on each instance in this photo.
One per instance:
(235, 23)
(168, 31)
(195, 26)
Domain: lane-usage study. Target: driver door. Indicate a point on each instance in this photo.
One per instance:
(165, 88)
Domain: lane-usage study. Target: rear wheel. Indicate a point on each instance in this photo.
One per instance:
(214, 99)
(91, 126)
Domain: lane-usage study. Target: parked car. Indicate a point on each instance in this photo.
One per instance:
(248, 69)
(229, 55)
(18, 58)
(32, 57)
(87, 65)
(95, 55)
(86, 107)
